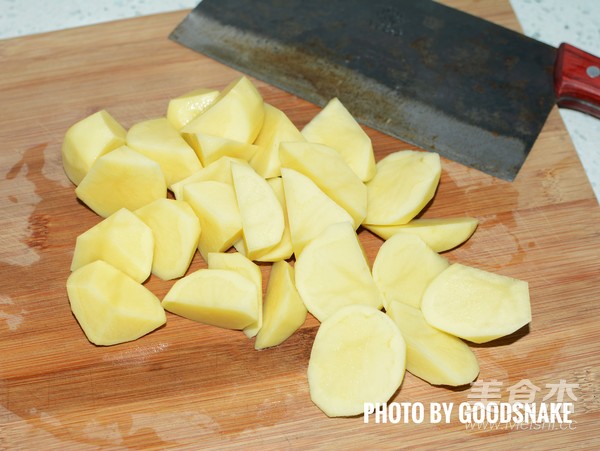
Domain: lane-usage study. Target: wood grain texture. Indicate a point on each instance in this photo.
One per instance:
(189, 385)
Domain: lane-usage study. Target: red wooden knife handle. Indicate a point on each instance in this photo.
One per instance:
(577, 80)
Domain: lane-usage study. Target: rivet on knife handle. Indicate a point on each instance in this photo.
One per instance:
(577, 80)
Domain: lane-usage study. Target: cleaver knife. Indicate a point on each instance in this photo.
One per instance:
(425, 73)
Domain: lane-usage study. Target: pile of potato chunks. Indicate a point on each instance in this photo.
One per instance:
(231, 176)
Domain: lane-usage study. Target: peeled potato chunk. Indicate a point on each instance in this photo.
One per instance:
(216, 206)
(260, 210)
(110, 306)
(247, 268)
(404, 267)
(237, 113)
(335, 127)
(329, 171)
(476, 305)
(283, 250)
(283, 312)
(358, 357)
(123, 240)
(176, 230)
(404, 183)
(439, 234)
(277, 128)
(433, 355)
(218, 297)
(310, 210)
(182, 109)
(210, 148)
(160, 141)
(218, 171)
(332, 272)
(123, 178)
(87, 140)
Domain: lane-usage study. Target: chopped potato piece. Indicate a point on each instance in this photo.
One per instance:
(476, 305)
(210, 148)
(403, 268)
(216, 206)
(283, 312)
(260, 211)
(237, 113)
(404, 183)
(335, 127)
(122, 178)
(332, 272)
(87, 140)
(277, 128)
(160, 141)
(310, 210)
(182, 109)
(328, 170)
(439, 234)
(176, 230)
(122, 240)
(247, 268)
(110, 306)
(433, 355)
(218, 297)
(219, 171)
(358, 357)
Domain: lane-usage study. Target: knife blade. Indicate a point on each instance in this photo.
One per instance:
(425, 73)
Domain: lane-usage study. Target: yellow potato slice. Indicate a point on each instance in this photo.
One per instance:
(310, 211)
(210, 148)
(404, 183)
(283, 250)
(237, 113)
(160, 141)
(404, 267)
(332, 272)
(476, 305)
(219, 171)
(283, 311)
(110, 306)
(247, 268)
(182, 109)
(335, 127)
(122, 178)
(433, 355)
(122, 240)
(358, 357)
(260, 210)
(216, 206)
(276, 128)
(87, 140)
(328, 170)
(176, 230)
(439, 234)
(218, 297)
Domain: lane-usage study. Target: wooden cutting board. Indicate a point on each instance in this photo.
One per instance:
(190, 385)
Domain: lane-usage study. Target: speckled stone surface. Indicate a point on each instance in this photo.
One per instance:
(550, 21)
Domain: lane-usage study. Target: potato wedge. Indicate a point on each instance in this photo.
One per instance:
(440, 234)
(110, 306)
(182, 109)
(404, 267)
(476, 305)
(123, 240)
(332, 272)
(218, 297)
(358, 357)
(433, 355)
(404, 183)
(283, 310)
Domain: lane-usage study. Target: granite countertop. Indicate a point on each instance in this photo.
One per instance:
(550, 21)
